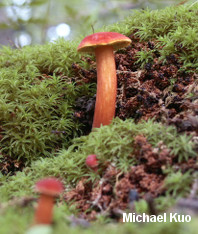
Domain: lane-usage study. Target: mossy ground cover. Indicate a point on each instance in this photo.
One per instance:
(47, 100)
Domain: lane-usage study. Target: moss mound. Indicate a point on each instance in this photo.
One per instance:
(36, 113)
(174, 32)
(43, 86)
(38, 95)
(112, 144)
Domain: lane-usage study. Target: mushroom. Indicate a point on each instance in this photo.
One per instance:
(92, 162)
(103, 44)
(49, 188)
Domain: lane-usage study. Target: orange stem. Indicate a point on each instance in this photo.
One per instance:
(44, 211)
(106, 86)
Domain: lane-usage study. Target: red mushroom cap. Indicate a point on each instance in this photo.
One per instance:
(92, 161)
(49, 186)
(116, 40)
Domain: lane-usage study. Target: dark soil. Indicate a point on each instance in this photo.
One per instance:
(161, 91)
(8, 165)
(158, 90)
(116, 191)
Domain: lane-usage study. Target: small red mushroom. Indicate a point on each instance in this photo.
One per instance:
(103, 44)
(92, 162)
(49, 188)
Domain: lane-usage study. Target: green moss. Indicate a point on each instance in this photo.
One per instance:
(31, 111)
(30, 114)
(17, 220)
(174, 28)
(178, 184)
(49, 58)
(112, 143)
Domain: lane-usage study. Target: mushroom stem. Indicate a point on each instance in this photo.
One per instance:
(106, 86)
(44, 211)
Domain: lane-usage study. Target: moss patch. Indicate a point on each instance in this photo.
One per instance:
(112, 144)
(37, 98)
(43, 89)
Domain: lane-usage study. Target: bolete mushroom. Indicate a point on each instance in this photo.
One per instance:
(103, 44)
(92, 162)
(49, 188)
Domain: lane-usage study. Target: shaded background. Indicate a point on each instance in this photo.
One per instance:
(25, 22)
